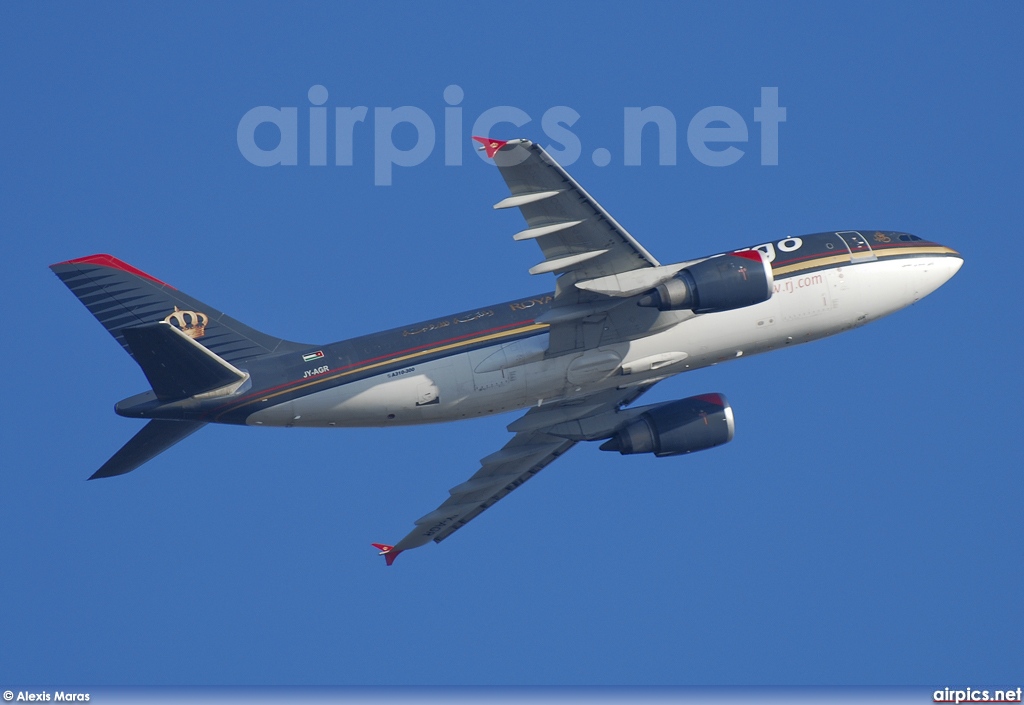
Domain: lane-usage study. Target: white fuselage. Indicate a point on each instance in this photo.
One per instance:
(803, 307)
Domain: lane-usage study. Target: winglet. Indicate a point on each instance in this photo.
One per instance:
(389, 552)
(490, 146)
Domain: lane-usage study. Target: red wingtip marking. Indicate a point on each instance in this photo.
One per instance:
(491, 147)
(749, 254)
(114, 263)
(389, 552)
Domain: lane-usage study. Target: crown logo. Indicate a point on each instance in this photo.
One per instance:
(191, 323)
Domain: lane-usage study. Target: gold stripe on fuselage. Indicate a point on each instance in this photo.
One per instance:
(812, 263)
(392, 360)
(916, 251)
(824, 261)
(835, 260)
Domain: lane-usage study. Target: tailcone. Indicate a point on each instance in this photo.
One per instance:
(147, 406)
(139, 406)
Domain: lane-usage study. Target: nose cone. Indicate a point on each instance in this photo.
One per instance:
(953, 265)
(937, 272)
(948, 266)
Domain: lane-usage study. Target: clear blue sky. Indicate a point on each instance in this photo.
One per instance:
(864, 527)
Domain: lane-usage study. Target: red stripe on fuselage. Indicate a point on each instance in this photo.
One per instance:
(238, 403)
(833, 253)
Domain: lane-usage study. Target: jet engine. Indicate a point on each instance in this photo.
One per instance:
(677, 427)
(719, 283)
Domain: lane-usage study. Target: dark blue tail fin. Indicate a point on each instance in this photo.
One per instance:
(196, 357)
(121, 296)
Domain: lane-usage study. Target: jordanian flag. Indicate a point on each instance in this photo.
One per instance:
(309, 357)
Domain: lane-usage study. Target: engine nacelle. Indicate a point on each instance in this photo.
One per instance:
(719, 283)
(677, 427)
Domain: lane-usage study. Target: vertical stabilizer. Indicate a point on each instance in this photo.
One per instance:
(121, 296)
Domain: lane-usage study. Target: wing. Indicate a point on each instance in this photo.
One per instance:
(577, 236)
(532, 449)
(599, 265)
(600, 269)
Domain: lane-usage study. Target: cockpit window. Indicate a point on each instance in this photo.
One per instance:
(904, 237)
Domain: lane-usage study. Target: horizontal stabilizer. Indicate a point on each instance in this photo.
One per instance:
(154, 438)
(177, 366)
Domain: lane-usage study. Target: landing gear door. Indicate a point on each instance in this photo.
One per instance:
(860, 250)
(427, 392)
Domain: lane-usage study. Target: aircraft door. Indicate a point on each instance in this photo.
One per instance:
(860, 250)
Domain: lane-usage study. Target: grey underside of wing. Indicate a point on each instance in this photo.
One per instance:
(530, 451)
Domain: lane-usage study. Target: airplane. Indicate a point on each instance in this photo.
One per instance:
(617, 323)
